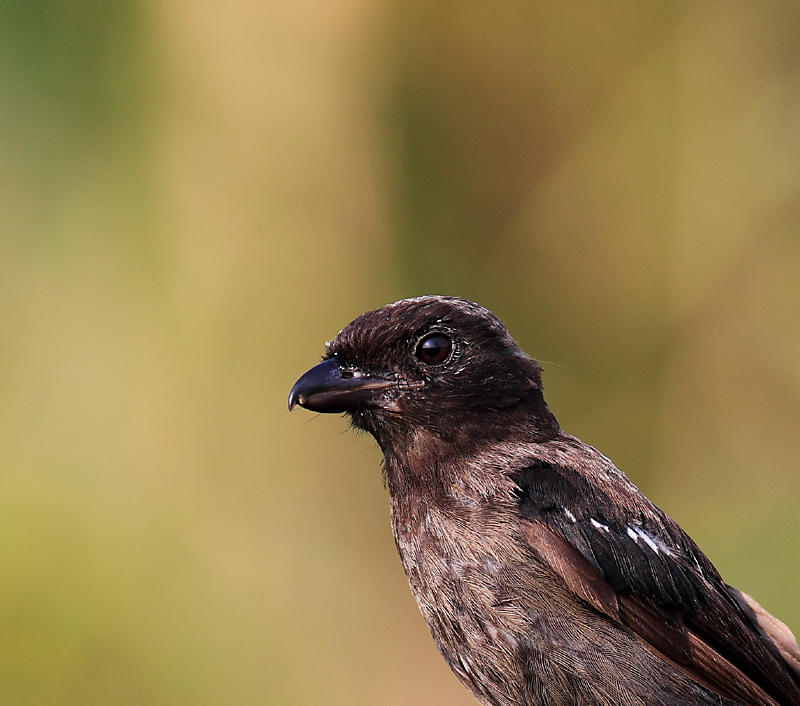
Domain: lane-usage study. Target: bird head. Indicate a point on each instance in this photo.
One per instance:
(442, 365)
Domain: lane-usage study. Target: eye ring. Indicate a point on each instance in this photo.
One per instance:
(434, 348)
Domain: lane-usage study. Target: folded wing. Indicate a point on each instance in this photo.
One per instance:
(633, 563)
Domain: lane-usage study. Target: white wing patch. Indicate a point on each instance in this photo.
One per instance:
(637, 533)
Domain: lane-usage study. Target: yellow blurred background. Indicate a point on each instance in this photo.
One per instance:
(195, 196)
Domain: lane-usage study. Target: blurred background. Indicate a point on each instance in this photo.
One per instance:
(194, 197)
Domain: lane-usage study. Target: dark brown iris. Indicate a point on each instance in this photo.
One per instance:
(434, 348)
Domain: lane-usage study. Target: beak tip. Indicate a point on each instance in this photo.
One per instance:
(311, 382)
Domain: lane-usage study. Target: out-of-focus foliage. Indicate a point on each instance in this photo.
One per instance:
(195, 196)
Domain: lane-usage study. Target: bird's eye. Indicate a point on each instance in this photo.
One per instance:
(434, 348)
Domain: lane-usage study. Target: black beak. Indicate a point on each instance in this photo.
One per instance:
(328, 387)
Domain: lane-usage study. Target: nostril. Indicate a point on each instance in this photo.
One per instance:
(351, 374)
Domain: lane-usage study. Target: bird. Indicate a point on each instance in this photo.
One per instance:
(545, 576)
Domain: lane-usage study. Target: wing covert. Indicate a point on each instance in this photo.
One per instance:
(664, 588)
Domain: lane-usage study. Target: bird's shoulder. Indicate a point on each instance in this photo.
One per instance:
(578, 493)
(629, 560)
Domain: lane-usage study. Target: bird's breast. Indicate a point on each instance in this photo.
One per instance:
(464, 574)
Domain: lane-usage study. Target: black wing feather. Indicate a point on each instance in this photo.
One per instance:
(672, 575)
(648, 559)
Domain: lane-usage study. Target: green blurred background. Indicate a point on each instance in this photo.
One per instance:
(195, 196)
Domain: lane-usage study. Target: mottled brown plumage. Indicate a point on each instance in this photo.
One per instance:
(545, 576)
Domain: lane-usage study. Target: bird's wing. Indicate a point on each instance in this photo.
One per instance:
(633, 563)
